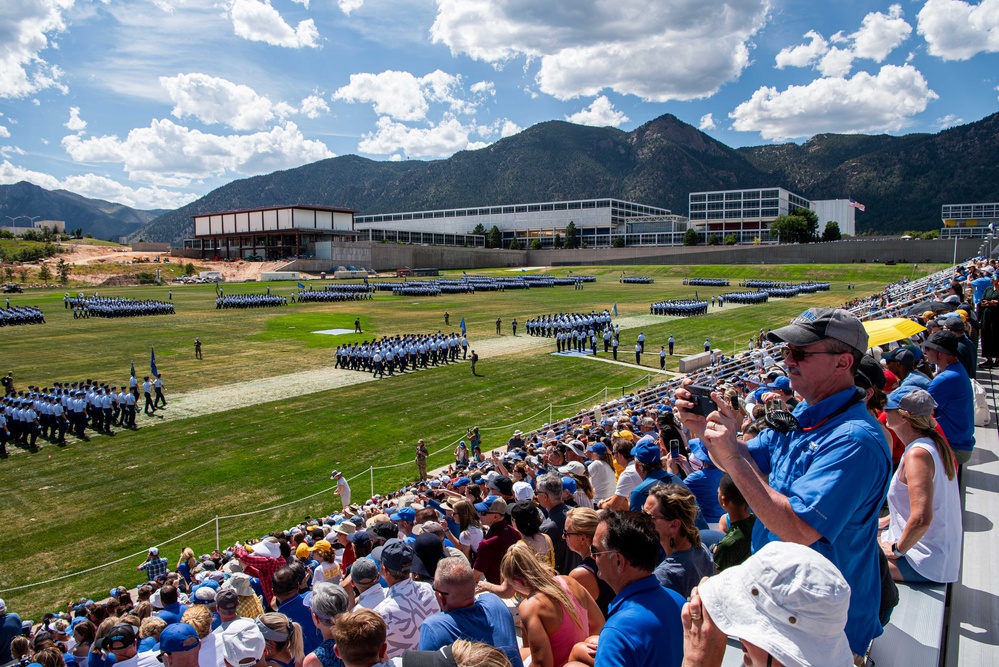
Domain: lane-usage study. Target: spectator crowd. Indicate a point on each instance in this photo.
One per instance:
(743, 503)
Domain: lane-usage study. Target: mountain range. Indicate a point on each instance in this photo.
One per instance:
(102, 219)
(902, 180)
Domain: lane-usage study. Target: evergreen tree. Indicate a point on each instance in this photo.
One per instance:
(571, 236)
(691, 237)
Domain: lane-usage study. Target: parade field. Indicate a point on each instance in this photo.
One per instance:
(263, 417)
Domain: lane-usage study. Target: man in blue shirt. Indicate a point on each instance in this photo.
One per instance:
(10, 627)
(643, 625)
(290, 603)
(951, 389)
(172, 609)
(820, 482)
(901, 361)
(462, 616)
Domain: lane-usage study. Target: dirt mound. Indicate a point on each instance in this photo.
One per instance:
(120, 281)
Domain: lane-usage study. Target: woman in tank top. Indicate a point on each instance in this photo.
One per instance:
(556, 613)
(923, 529)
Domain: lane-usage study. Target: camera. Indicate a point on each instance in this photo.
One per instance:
(700, 396)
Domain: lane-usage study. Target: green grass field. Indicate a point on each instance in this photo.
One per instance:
(67, 509)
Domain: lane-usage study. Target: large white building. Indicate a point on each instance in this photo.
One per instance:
(597, 221)
(968, 220)
(748, 213)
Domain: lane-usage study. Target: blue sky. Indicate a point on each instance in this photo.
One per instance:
(153, 103)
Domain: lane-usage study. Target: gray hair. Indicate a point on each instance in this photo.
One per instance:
(550, 484)
(328, 601)
(454, 571)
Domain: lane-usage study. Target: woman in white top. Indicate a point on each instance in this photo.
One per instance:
(470, 533)
(601, 471)
(923, 530)
(327, 570)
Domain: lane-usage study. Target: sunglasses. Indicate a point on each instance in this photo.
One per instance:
(799, 355)
(594, 553)
(440, 592)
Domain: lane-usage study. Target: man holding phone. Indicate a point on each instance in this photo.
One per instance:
(794, 478)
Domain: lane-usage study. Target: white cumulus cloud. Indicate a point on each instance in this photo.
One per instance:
(75, 123)
(484, 88)
(600, 113)
(402, 96)
(957, 30)
(950, 120)
(803, 55)
(347, 6)
(4, 132)
(707, 123)
(862, 103)
(438, 140)
(25, 31)
(879, 34)
(258, 21)
(99, 187)
(214, 100)
(313, 106)
(172, 155)
(585, 46)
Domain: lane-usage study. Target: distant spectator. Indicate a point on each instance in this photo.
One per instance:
(628, 478)
(10, 627)
(601, 471)
(154, 566)
(501, 536)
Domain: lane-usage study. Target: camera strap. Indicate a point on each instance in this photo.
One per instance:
(783, 421)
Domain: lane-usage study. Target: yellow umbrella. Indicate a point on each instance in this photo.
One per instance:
(889, 330)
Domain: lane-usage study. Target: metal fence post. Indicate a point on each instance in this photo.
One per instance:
(371, 470)
(217, 543)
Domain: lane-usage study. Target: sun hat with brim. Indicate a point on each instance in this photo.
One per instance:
(268, 547)
(818, 324)
(913, 400)
(345, 528)
(440, 658)
(241, 583)
(787, 599)
(942, 341)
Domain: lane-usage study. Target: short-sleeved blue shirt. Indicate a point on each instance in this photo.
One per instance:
(643, 627)
(835, 472)
(951, 389)
(487, 621)
(641, 492)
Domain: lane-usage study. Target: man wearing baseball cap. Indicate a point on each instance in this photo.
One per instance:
(827, 470)
(243, 644)
(407, 603)
(179, 645)
(154, 566)
(902, 362)
(951, 389)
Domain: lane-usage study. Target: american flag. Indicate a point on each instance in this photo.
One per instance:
(856, 204)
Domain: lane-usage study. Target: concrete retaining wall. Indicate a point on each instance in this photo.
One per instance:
(151, 247)
(840, 252)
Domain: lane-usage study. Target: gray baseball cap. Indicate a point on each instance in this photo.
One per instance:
(817, 324)
(913, 401)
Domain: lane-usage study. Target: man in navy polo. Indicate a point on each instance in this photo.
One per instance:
(284, 582)
(826, 476)
(643, 622)
(951, 389)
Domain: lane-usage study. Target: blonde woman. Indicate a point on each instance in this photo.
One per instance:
(284, 647)
(475, 654)
(327, 570)
(923, 529)
(557, 611)
(185, 566)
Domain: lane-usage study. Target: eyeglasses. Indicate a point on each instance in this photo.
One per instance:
(594, 553)
(799, 355)
(653, 516)
(440, 592)
(566, 533)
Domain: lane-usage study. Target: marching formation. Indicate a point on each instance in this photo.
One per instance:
(401, 353)
(116, 306)
(10, 317)
(249, 301)
(549, 325)
(679, 308)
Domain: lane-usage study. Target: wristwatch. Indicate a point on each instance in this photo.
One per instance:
(895, 551)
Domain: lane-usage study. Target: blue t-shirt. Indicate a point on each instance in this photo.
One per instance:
(641, 492)
(147, 644)
(643, 627)
(980, 285)
(703, 484)
(10, 627)
(294, 609)
(172, 613)
(951, 389)
(835, 475)
(487, 621)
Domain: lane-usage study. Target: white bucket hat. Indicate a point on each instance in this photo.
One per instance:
(789, 600)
